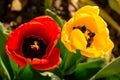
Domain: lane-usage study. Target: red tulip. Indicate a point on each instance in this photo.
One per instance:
(34, 42)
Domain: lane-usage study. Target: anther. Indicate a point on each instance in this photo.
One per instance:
(74, 27)
(88, 45)
(91, 34)
(35, 46)
(83, 29)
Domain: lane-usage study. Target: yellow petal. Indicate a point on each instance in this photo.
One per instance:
(103, 44)
(68, 26)
(77, 39)
(92, 52)
(66, 30)
(65, 40)
(109, 46)
(85, 20)
(108, 49)
(99, 41)
(88, 10)
(101, 25)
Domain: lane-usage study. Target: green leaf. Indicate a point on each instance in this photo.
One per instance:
(115, 5)
(85, 70)
(111, 69)
(14, 66)
(26, 73)
(30, 74)
(39, 76)
(54, 16)
(3, 38)
(57, 72)
(3, 71)
(69, 62)
(114, 77)
(63, 49)
(55, 77)
(51, 75)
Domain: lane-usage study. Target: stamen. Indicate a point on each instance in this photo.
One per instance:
(87, 33)
(74, 27)
(78, 27)
(88, 44)
(83, 29)
(91, 34)
(35, 46)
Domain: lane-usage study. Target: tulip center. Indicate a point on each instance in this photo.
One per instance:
(89, 35)
(33, 47)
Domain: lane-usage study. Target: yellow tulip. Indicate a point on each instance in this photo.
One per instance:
(87, 32)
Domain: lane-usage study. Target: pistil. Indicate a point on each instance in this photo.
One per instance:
(89, 35)
(33, 47)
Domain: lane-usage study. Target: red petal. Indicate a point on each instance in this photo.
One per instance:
(39, 61)
(51, 26)
(54, 61)
(15, 39)
(17, 58)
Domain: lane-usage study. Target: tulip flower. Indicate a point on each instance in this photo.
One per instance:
(87, 31)
(34, 42)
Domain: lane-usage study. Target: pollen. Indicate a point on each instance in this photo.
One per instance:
(35, 46)
(86, 34)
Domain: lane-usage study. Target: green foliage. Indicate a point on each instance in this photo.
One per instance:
(3, 39)
(69, 62)
(26, 73)
(114, 77)
(14, 66)
(51, 75)
(3, 71)
(85, 70)
(111, 69)
(5, 63)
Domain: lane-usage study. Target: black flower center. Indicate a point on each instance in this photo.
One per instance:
(89, 35)
(33, 47)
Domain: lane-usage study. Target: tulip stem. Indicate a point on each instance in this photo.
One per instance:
(69, 62)
(104, 14)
